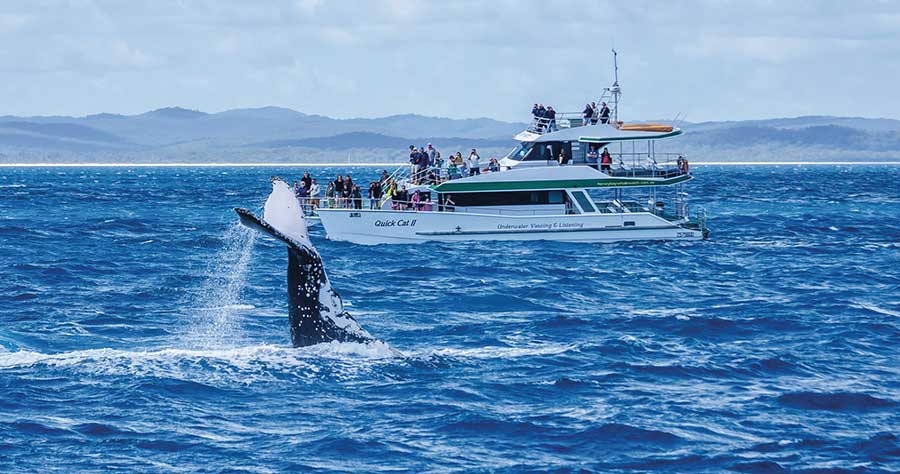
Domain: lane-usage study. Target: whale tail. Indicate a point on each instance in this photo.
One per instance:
(316, 311)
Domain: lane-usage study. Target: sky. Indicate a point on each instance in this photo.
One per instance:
(702, 60)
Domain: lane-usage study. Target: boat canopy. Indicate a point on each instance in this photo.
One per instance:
(602, 133)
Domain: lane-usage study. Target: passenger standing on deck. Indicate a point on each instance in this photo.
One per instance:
(347, 192)
(542, 118)
(551, 116)
(373, 194)
(431, 152)
(592, 157)
(594, 113)
(449, 205)
(329, 196)
(339, 191)
(438, 168)
(586, 114)
(453, 171)
(474, 163)
(307, 179)
(402, 198)
(413, 161)
(356, 196)
(303, 196)
(683, 165)
(391, 194)
(604, 113)
(314, 194)
(423, 165)
(605, 160)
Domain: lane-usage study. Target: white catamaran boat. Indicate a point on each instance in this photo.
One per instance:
(550, 187)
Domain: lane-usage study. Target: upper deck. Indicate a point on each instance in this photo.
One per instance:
(544, 130)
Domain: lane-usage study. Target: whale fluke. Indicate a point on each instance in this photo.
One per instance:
(316, 312)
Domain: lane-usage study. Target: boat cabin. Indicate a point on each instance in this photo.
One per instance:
(631, 146)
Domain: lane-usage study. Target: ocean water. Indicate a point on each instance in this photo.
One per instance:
(141, 329)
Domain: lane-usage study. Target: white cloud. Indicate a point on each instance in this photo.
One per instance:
(13, 22)
(755, 48)
(455, 57)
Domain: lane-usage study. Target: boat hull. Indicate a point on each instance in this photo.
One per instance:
(398, 227)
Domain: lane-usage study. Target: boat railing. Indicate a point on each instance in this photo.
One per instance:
(399, 175)
(309, 205)
(335, 202)
(411, 206)
(542, 125)
(657, 165)
(431, 175)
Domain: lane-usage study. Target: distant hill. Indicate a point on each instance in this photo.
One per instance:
(833, 136)
(358, 140)
(175, 113)
(280, 134)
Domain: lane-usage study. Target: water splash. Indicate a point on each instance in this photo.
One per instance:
(216, 307)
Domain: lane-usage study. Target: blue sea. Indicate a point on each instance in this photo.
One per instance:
(142, 329)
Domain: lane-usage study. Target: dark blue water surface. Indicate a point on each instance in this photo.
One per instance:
(143, 330)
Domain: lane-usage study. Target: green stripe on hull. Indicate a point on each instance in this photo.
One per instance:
(451, 186)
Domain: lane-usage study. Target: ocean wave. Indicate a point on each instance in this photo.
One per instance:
(837, 401)
(762, 467)
(505, 352)
(242, 363)
(623, 433)
(877, 309)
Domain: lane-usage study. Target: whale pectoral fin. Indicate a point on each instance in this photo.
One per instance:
(255, 223)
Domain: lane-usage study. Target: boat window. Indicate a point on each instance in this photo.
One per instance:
(519, 152)
(583, 201)
(548, 151)
(575, 155)
(538, 152)
(508, 198)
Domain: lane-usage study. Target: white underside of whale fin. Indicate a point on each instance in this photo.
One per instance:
(283, 212)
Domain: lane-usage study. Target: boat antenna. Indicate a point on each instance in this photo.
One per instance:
(615, 66)
(615, 89)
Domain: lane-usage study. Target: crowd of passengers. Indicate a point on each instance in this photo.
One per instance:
(428, 167)
(343, 193)
(545, 116)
